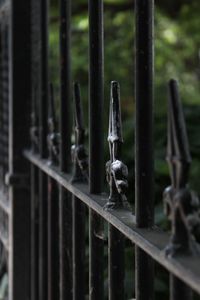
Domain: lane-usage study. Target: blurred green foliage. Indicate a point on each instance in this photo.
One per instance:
(177, 48)
(177, 51)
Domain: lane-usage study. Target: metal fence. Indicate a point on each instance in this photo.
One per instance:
(50, 192)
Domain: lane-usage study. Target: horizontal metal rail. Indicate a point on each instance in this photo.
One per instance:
(152, 241)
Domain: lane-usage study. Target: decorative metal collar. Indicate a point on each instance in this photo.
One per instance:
(181, 204)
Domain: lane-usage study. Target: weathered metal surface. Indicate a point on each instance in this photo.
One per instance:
(117, 178)
(151, 240)
(61, 213)
(116, 170)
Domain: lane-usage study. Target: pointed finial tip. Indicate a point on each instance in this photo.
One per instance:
(51, 88)
(173, 82)
(76, 88)
(114, 84)
(76, 91)
(76, 84)
(115, 89)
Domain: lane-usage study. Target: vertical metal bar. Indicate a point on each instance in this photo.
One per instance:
(96, 257)
(19, 112)
(116, 264)
(53, 245)
(115, 238)
(43, 112)
(144, 174)
(179, 169)
(78, 249)
(43, 130)
(65, 241)
(43, 252)
(1, 105)
(96, 95)
(144, 113)
(35, 82)
(34, 233)
(179, 290)
(65, 204)
(80, 174)
(96, 161)
(66, 94)
(144, 275)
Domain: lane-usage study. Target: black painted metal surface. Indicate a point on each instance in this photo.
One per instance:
(181, 204)
(55, 209)
(18, 137)
(152, 241)
(117, 178)
(144, 160)
(43, 150)
(53, 142)
(96, 153)
(65, 203)
(80, 174)
(116, 170)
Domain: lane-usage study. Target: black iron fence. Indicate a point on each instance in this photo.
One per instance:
(52, 191)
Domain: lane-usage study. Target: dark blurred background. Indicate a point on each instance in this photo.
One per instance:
(177, 55)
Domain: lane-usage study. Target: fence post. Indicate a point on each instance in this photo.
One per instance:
(65, 128)
(96, 162)
(17, 178)
(144, 174)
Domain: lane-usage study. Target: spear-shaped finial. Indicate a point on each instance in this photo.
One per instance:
(116, 170)
(79, 155)
(53, 136)
(178, 146)
(115, 122)
(181, 204)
